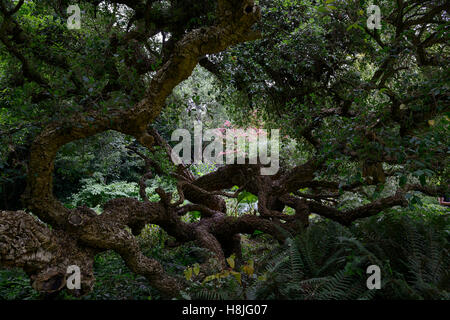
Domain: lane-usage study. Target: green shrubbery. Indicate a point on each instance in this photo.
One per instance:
(114, 281)
(15, 285)
(95, 192)
(329, 261)
(326, 261)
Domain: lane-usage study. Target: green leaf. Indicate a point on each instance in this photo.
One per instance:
(238, 276)
(196, 269)
(246, 197)
(209, 278)
(188, 274)
(230, 261)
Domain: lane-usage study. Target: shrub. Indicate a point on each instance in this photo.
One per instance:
(329, 261)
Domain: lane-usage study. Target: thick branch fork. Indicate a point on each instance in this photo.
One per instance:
(82, 231)
(77, 235)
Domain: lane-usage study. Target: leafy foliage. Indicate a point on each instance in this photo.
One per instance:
(329, 261)
(95, 192)
(370, 106)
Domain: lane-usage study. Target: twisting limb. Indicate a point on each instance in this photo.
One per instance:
(347, 217)
(142, 186)
(149, 163)
(9, 13)
(86, 233)
(43, 253)
(428, 190)
(133, 121)
(206, 212)
(327, 197)
(183, 182)
(93, 233)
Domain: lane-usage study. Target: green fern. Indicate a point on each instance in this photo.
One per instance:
(329, 261)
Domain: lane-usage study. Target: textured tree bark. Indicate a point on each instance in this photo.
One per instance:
(235, 27)
(44, 254)
(77, 235)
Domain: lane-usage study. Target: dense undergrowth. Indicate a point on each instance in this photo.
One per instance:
(362, 116)
(326, 261)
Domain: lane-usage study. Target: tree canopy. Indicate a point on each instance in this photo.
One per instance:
(363, 115)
